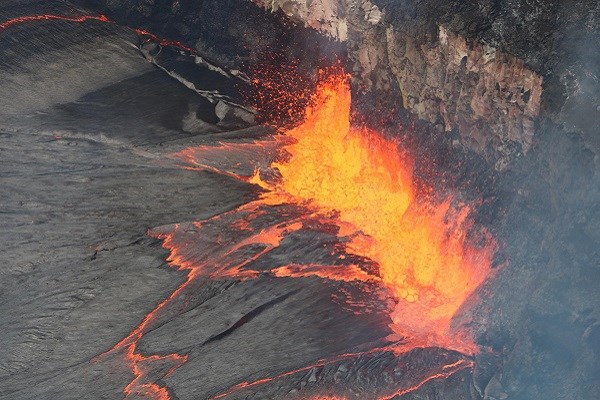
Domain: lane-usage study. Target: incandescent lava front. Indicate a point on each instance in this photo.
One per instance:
(338, 204)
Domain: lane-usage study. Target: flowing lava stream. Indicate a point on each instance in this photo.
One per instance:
(359, 181)
(50, 17)
(88, 18)
(421, 248)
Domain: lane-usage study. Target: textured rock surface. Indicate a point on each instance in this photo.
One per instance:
(79, 143)
(231, 33)
(84, 173)
(476, 69)
(489, 97)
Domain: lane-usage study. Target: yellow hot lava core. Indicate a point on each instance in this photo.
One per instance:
(421, 249)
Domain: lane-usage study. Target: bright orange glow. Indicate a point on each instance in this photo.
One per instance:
(98, 18)
(49, 17)
(346, 273)
(421, 249)
(365, 184)
(358, 183)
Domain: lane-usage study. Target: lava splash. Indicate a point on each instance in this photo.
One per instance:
(421, 248)
(393, 240)
(388, 246)
(327, 172)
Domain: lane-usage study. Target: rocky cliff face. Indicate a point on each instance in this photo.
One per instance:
(485, 72)
(475, 70)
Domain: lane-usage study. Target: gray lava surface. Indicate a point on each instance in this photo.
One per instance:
(90, 117)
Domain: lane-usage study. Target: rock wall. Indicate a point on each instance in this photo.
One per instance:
(325, 16)
(483, 70)
(489, 96)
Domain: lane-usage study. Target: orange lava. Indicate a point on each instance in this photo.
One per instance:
(442, 372)
(361, 182)
(319, 363)
(423, 255)
(346, 273)
(365, 185)
(99, 18)
(165, 42)
(141, 386)
(447, 372)
(49, 17)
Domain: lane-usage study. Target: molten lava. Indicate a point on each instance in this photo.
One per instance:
(50, 17)
(149, 37)
(328, 172)
(423, 255)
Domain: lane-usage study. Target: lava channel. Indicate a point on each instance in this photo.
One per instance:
(359, 181)
(328, 172)
(149, 37)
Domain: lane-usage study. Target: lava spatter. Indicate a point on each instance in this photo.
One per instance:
(421, 248)
(362, 183)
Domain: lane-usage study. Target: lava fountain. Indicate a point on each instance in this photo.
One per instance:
(354, 178)
(325, 172)
(422, 250)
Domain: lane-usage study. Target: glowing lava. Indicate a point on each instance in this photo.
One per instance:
(354, 178)
(50, 17)
(422, 250)
(150, 37)
(361, 182)
(165, 42)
